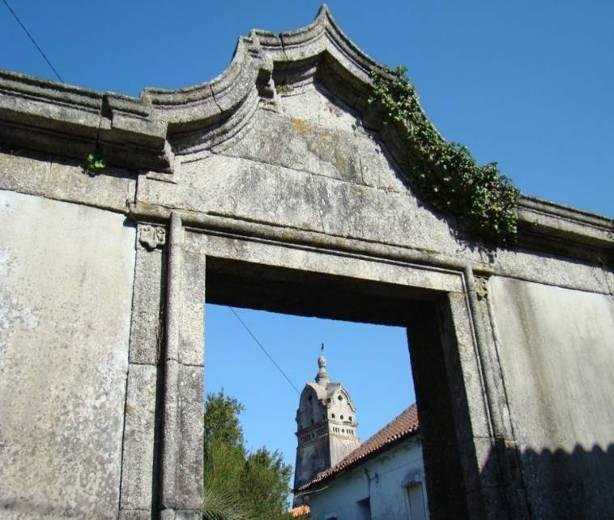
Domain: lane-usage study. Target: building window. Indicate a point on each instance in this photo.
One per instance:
(417, 504)
(364, 509)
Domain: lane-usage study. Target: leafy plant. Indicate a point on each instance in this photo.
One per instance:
(94, 163)
(445, 174)
(239, 483)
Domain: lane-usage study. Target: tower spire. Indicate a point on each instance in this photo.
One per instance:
(325, 427)
(322, 377)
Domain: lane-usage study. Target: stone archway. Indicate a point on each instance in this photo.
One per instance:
(273, 177)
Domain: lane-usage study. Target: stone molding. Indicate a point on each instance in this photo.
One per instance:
(49, 116)
(147, 132)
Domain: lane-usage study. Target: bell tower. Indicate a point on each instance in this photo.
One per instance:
(326, 427)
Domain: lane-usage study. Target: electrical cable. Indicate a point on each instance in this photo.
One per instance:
(264, 350)
(32, 40)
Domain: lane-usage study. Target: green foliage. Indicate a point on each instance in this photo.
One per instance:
(222, 419)
(445, 174)
(94, 163)
(220, 506)
(266, 477)
(224, 465)
(239, 484)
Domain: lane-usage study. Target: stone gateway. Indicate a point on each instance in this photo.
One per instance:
(275, 186)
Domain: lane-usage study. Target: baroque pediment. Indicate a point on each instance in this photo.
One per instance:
(50, 116)
(254, 107)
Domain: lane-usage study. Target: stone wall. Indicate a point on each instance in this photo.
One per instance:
(65, 302)
(556, 350)
(275, 186)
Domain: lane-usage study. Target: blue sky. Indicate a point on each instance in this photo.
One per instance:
(528, 84)
(371, 361)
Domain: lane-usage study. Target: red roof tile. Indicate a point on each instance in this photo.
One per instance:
(405, 425)
(299, 511)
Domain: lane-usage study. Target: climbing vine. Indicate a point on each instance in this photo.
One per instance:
(445, 174)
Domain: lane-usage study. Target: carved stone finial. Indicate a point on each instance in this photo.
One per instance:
(322, 376)
(152, 237)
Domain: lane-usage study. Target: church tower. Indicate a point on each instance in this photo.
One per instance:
(325, 426)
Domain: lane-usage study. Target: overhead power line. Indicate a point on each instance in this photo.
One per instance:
(264, 350)
(42, 53)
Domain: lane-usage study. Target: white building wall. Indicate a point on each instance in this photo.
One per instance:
(388, 480)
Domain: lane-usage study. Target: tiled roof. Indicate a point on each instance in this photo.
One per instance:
(405, 425)
(299, 511)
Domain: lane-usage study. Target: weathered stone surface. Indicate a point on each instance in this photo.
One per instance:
(171, 514)
(556, 354)
(190, 456)
(49, 116)
(146, 331)
(321, 135)
(139, 432)
(277, 166)
(183, 436)
(473, 385)
(266, 193)
(330, 263)
(135, 514)
(64, 319)
(549, 269)
(191, 328)
(64, 181)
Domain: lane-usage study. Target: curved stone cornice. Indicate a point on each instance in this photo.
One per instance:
(134, 132)
(230, 99)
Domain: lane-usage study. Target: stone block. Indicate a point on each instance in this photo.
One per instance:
(190, 455)
(66, 181)
(135, 514)
(191, 329)
(335, 264)
(472, 384)
(139, 431)
(549, 270)
(557, 362)
(149, 295)
(183, 437)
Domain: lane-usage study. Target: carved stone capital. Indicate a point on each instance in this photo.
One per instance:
(152, 237)
(481, 287)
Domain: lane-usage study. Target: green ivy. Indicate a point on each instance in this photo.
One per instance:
(445, 174)
(94, 164)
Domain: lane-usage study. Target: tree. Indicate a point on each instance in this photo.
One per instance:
(239, 484)
(266, 477)
(222, 419)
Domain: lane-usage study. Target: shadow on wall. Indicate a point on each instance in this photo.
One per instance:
(562, 485)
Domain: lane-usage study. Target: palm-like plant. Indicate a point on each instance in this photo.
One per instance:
(220, 506)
